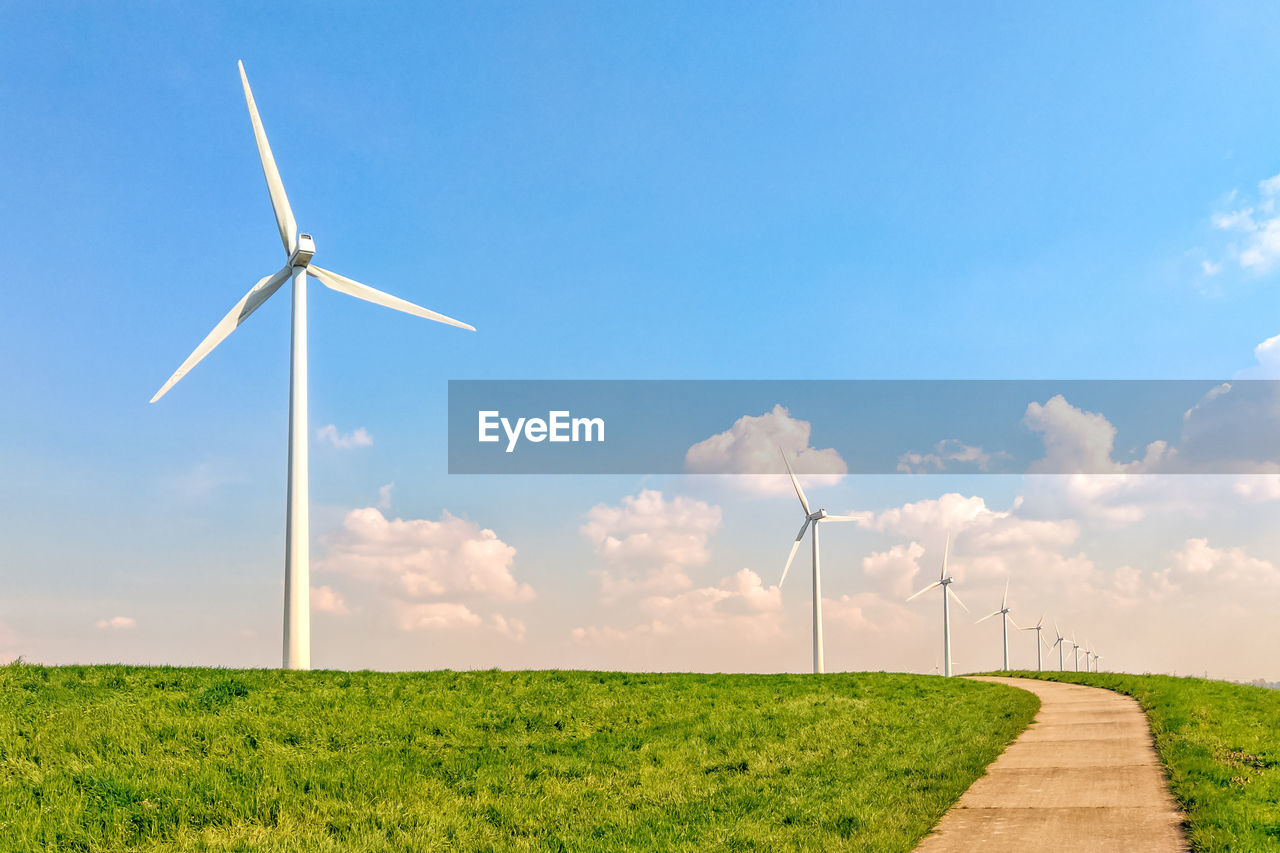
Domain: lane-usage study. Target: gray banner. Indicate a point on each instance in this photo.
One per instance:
(864, 426)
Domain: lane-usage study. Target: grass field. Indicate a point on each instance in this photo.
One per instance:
(110, 758)
(1220, 743)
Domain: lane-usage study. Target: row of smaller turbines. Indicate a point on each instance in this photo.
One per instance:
(1092, 659)
(813, 518)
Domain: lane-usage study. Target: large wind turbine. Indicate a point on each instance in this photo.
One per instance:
(1003, 612)
(814, 518)
(944, 580)
(1038, 627)
(299, 249)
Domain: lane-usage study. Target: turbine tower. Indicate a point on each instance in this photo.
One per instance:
(1038, 627)
(1004, 623)
(1075, 647)
(814, 518)
(944, 580)
(299, 249)
(1060, 642)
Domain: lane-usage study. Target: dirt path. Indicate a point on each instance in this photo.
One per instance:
(1083, 776)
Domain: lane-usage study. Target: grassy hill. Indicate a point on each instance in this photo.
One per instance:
(110, 758)
(1220, 743)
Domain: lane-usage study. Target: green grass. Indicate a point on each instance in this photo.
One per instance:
(111, 758)
(1220, 744)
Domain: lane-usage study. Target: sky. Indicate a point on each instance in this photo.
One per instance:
(626, 191)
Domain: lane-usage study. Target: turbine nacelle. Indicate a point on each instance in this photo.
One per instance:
(306, 250)
(818, 516)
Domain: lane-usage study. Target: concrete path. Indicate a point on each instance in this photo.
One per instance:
(1083, 776)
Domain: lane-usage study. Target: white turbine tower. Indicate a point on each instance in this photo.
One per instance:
(1060, 642)
(299, 249)
(1075, 647)
(1038, 627)
(1004, 623)
(944, 580)
(814, 518)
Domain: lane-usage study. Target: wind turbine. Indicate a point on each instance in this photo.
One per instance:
(814, 518)
(1004, 623)
(1075, 647)
(1038, 627)
(944, 580)
(1059, 643)
(299, 249)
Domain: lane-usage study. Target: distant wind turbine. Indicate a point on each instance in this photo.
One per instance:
(1005, 620)
(299, 248)
(811, 518)
(1060, 642)
(1075, 647)
(944, 580)
(1038, 627)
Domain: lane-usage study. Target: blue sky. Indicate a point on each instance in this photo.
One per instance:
(605, 191)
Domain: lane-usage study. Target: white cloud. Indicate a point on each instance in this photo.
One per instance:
(384, 496)
(1198, 558)
(116, 623)
(1258, 488)
(325, 600)
(1080, 442)
(1267, 355)
(1257, 228)
(435, 615)
(648, 543)
(359, 437)
(750, 447)
(868, 612)
(947, 453)
(896, 568)
(430, 574)
(740, 607)
(1209, 268)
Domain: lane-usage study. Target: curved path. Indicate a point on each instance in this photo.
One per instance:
(1083, 776)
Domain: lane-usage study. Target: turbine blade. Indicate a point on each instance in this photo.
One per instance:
(985, 618)
(933, 585)
(1011, 622)
(842, 518)
(794, 547)
(279, 201)
(946, 552)
(1004, 602)
(1041, 621)
(342, 284)
(958, 601)
(249, 303)
(799, 491)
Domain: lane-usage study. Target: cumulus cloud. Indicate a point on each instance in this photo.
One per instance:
(419, 558)
(750, 447)
(868, 612)
(1254, 227)
(740, 606)
(648, 542)
(1080, 442)
(359, 437)
(435, 615)
(1198, 559)
(948, 455)
(430, 574)
(325, 600)
(986, 544)
(896, 569)
(116, 623)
